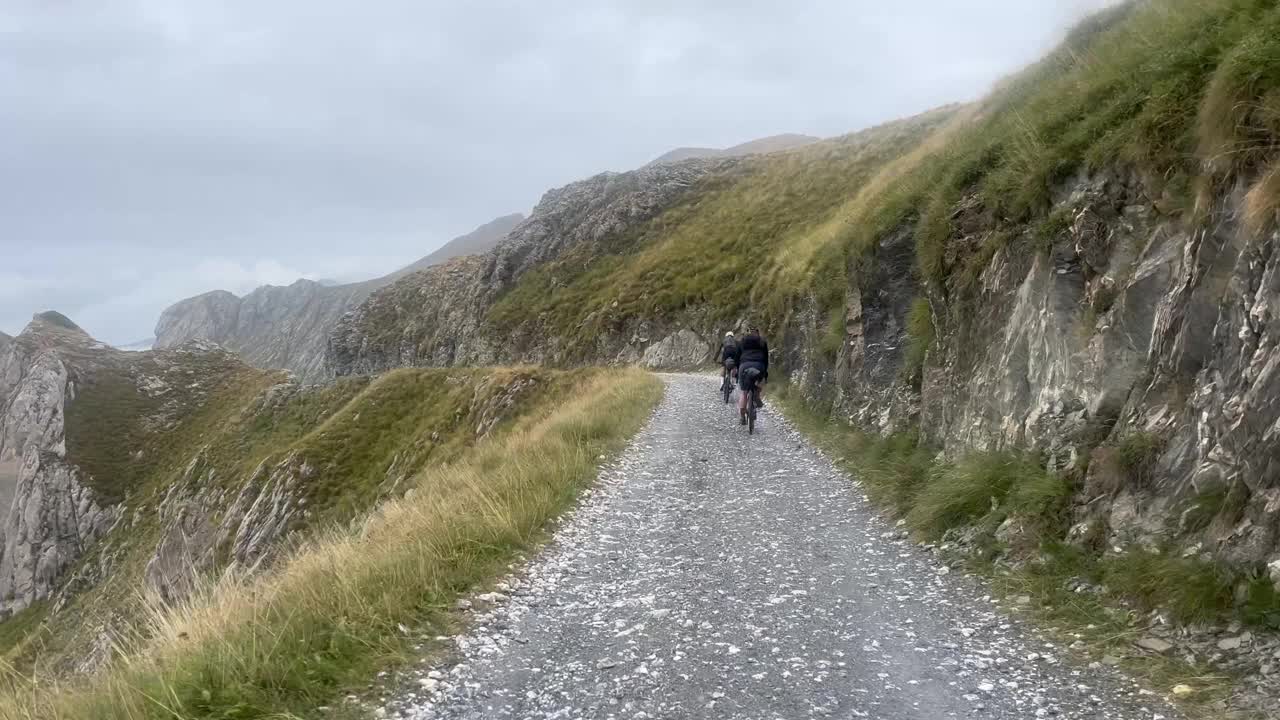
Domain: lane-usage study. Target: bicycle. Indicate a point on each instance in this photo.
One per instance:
(751, 389)
(726, 386)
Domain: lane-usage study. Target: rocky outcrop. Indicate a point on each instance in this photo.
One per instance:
(287, 327)
(51, 523)
(50, 517)
(682, 350)
(254, 521)
(437, 318)
(213, 316)
(1137, 327)
(82, 425)
(271, 327)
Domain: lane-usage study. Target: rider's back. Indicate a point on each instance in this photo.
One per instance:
(755, 350)
(730, 349)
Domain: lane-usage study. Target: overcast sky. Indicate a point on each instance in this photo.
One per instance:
(155, 149)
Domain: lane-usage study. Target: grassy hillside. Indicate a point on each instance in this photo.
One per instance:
(327, 618)
(1183, 93)
(185, 458)
(763, 222)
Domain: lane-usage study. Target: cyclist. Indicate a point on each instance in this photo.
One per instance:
(753, 370)
(730, 355)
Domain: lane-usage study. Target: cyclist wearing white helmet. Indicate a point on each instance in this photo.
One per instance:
(730, 355)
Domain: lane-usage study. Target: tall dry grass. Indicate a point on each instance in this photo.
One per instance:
(358, 599)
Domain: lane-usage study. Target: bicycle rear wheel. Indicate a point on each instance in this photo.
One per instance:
(751, 413)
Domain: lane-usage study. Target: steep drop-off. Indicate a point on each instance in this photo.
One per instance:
(285, 327)
(50, 513)
(144, 473)
(1081, 265)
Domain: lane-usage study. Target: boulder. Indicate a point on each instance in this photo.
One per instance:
(684, 350)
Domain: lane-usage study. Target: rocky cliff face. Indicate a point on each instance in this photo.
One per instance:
(286, 327)
(50, 516)
(271, 327)
(437, 318)
(1130, 322)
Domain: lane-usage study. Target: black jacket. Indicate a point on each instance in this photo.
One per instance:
(755, 350)
(730, 349)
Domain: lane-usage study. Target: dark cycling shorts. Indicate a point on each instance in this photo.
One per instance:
(730, 364)
(747, 378)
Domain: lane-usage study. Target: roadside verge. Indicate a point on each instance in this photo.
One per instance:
(356, 600)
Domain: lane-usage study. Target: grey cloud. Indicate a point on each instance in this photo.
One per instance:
(151, 149)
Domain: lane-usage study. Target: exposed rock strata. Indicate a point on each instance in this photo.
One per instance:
(49, 516)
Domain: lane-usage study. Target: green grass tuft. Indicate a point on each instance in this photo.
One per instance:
(1192, 590)
(978, 486)
(833, 338)
(920, 336)
(1138, 452)
(981, 491)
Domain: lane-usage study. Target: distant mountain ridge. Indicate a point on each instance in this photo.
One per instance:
(286, 327)
(773, 143)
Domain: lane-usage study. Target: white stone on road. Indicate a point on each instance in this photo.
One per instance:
(712, 574)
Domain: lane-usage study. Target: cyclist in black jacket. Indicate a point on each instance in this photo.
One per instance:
(753, 369)
(730, 354)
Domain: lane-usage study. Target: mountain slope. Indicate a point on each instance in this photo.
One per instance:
(590, 275)
(773, 143)
(1050, 315)
(72, 411)
(478, 241)
(437, 317)
(1082, 266)
(285, 327)
(146, 472)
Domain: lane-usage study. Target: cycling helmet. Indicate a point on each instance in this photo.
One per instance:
(729, 334)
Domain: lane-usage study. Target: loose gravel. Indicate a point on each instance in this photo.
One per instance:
(712, 574)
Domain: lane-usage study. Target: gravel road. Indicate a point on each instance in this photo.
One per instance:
(716, 575)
